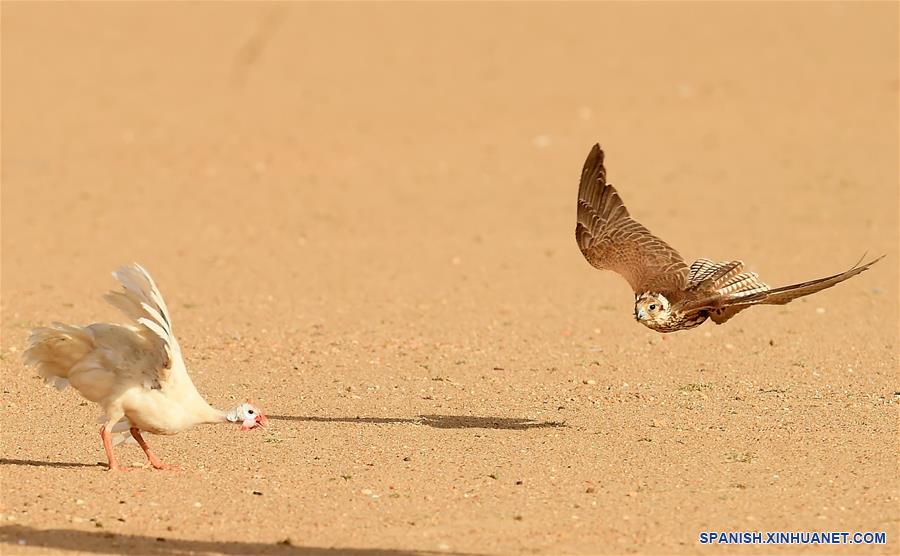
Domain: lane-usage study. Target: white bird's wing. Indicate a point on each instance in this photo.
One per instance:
(143, 303)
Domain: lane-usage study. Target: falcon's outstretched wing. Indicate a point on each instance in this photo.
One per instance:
(611, 240)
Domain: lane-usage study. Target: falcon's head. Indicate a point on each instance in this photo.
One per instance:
(651, 308)
(248, 415)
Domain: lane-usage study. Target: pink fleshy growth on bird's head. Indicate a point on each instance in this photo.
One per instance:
(259, 420)
(249, 416)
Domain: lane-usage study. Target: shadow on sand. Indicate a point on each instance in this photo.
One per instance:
(38, 463)
(110, 543)
(436, 421)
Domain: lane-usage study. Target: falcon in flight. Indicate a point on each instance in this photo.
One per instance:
(669, 295)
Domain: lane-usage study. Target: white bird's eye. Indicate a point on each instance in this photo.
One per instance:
(250, 412)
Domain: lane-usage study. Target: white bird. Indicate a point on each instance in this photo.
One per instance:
(135, 373)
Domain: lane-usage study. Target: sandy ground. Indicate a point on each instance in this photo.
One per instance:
(363, 216)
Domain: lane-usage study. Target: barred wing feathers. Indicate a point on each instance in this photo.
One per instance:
(611, 240)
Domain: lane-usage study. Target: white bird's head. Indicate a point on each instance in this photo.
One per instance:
(651, 308)
(248, 415)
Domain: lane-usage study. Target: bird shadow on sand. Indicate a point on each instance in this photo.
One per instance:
(98, 542)
(436, 421)
(38, 463)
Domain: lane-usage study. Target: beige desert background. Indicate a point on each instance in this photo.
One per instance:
(362, 216)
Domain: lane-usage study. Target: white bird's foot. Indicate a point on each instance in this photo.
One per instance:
(114, 466)
(164, 466)
(151, 457)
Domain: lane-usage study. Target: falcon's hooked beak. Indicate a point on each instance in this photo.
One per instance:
(639, 314)
(259, 420)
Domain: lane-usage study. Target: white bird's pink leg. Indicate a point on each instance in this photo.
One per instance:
(154, 461)
(110, 456)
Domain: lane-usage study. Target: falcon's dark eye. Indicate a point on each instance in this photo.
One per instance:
(653, 306)
(250, 412)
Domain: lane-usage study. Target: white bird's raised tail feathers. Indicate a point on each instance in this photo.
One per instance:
(143, 302)
(54, 350)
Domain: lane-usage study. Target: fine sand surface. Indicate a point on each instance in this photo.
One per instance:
(362, 217)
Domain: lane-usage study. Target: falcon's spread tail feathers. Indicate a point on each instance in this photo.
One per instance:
(737, 292)
(143, 303)
(725, 279)
(54, 350)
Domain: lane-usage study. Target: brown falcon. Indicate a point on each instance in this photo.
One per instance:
(669, 295)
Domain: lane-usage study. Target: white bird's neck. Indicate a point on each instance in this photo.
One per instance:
(216, 415)
(231, 416)
(203, 413)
